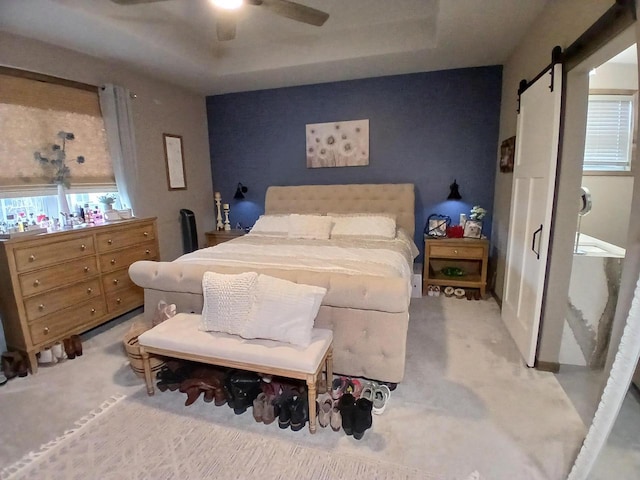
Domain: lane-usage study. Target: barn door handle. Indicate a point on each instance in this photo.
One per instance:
(533, 243)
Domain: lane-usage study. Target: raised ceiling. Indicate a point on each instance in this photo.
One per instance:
(175, 40)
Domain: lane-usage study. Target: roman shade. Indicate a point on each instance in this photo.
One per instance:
(32, 112)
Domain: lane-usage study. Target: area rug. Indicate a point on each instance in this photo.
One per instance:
(129, 439)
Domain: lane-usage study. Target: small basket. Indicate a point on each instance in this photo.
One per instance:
(132, 348)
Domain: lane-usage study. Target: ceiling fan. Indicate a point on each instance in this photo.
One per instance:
(226, 23)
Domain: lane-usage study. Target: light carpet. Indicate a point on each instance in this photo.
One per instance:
(124, 439)
(467, 402)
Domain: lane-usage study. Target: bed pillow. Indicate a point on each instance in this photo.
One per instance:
(228, 301)
(283, 311)
(315, 227)
(359, 225)
(271, 225)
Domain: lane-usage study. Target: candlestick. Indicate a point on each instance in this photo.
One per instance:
(227, 225)
(218, 199)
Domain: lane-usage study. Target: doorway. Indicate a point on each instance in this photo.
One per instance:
(604, 203)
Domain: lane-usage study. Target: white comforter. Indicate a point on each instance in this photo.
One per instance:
(361, 256)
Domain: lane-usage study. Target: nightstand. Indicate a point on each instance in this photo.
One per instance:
(220, 236)
(469, 254)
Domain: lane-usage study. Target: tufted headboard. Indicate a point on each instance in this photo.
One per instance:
(397, 198)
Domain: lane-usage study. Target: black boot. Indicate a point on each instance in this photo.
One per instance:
(244, 388)
(362, 417)
(347, 405)
(299, 408)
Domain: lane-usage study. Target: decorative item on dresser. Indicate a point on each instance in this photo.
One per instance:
(459, 262)
(59, 284)
(216, 237)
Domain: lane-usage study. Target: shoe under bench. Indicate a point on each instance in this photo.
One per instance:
(180, 337)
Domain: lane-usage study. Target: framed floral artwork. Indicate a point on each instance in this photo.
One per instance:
(507, 154)
(338, 144)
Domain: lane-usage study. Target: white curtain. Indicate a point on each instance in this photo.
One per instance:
(115, 102)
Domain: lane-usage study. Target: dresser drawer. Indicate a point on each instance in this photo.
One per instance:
(55, 300)
(38, 256)
(454, 252)
(125, 237)
(123, 258)
(125, 299)
(117, 280)
(51, 277)
(55, 326)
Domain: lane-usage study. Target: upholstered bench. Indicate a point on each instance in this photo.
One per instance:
(180, 337)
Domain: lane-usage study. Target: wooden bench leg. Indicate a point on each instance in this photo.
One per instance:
(312, 393)
(147, 371)
(329, 366)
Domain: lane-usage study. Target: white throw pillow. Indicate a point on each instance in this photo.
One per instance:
(316, 227)
(372, 226)
(271, 225)
(228, 301)
(284, 311)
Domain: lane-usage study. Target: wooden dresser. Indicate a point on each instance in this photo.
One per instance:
(54, 285)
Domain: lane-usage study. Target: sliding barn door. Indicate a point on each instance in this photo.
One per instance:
(532, 195)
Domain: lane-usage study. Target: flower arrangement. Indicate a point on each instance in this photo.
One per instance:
(107, 199)
(477, 213)
(56, 165)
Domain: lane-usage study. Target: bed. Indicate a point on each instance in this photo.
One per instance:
(366, 306)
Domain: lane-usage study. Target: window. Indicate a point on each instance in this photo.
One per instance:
(34, 108)
(609, 136)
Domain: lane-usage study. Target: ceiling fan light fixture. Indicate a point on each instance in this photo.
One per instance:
(228, 4)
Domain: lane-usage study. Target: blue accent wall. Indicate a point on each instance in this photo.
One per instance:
(425, 128)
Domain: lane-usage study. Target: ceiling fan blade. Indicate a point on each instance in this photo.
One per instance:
(135, 2)
(294, 11)
(226, 27)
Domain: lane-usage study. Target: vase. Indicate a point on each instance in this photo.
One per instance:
(63, 204)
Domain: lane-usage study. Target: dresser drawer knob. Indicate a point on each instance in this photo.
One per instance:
(110, 241)
(115, 281)
(113, 261)
(455, 251)
(83, 247)
(147, 251)
(32, 258)
(41, 306)
(86, 269)
(36, 283)
(146, 234)
(89, 290)
(45, 330)
(118, 301)
(93, 310)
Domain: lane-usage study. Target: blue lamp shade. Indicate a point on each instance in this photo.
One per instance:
(454, 194)
(240, 191)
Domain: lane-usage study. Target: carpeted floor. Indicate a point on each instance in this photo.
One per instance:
(467, 403)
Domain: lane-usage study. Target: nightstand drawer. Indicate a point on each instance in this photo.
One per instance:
(456, 252)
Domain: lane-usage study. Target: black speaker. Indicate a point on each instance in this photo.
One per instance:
(189, 232)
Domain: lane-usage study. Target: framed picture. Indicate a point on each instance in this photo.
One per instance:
(507, 153)
(437, 225)
(473, 229)
(176, 178)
